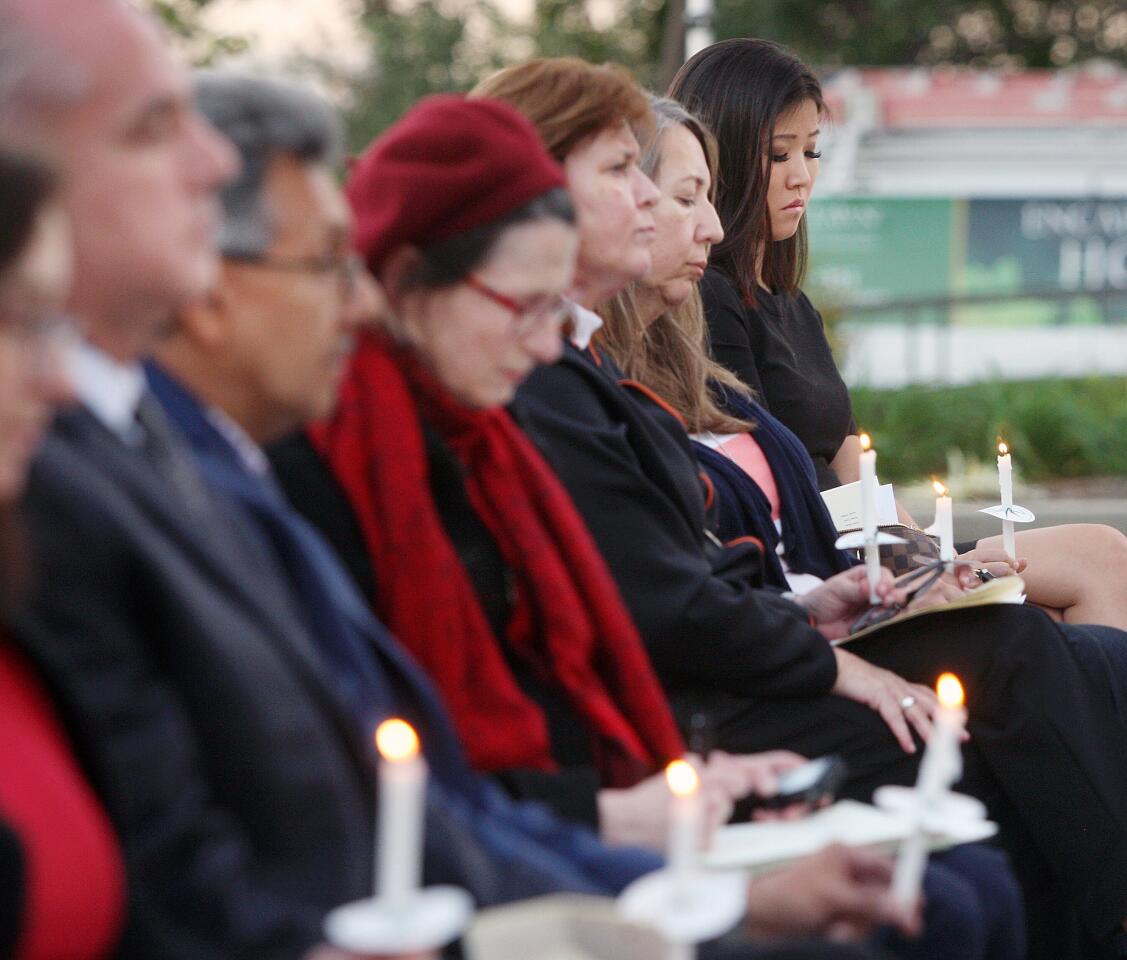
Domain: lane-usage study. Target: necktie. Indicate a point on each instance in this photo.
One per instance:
(164, 452)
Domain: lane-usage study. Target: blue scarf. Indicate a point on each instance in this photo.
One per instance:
(744, 510)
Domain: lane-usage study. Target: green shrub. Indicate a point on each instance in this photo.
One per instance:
(1056, 428)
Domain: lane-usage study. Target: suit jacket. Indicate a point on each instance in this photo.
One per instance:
(480, 839)
(629, 467)
(210, 728)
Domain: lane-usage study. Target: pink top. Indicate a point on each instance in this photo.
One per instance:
(743, 450)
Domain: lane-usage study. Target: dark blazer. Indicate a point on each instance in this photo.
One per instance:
(209, 726)
(499, 850)
(628, 465)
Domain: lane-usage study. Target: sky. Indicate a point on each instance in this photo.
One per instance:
(322, 29)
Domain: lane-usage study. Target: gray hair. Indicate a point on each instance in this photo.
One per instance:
(264, 117)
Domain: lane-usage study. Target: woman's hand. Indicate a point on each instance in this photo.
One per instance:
(995, 561)
(838, 602)
(743, 775)
(639, 815)
(886, 693)
(841, 892)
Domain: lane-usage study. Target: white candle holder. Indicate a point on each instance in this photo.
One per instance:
(856, 539)
(1013, 513)
(869, 542)
(425, 919)
(946, 813)
(686, 909)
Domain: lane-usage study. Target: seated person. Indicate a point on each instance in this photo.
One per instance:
(470, 550)
(760, 666)
(61, 877)
(764, 328)
(265, 352)
(452, 361)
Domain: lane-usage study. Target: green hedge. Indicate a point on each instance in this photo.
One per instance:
(1056, 428)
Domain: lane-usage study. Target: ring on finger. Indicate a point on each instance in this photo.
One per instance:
(907, 703)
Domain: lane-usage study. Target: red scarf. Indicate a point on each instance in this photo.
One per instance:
(568, 621)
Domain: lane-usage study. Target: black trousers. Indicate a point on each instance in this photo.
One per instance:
(1048, 753)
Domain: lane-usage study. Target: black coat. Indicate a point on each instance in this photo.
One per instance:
(628, 465)
(751, 662)
(208, 725)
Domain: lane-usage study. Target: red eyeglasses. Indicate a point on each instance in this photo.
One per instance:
(526, 316)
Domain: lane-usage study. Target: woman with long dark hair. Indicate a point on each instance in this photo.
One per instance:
(767, 109)
(61, 881)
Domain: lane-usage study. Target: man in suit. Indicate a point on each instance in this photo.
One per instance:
(263, 354)
(222, 746)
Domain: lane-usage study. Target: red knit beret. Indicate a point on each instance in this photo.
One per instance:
(449, 165)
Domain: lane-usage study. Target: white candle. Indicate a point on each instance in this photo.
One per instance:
(399, 832)
(1006, 484)
(941, 766)
(684, 822)
(868, 471)
(944, 522)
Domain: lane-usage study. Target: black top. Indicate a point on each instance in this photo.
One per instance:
(779, 348)
(313, 489)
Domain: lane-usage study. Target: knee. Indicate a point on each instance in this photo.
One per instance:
(1108, 547)
(1001, 909)
(954, 920)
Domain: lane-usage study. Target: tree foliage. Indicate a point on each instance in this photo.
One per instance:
(981, 33)
(184, 19)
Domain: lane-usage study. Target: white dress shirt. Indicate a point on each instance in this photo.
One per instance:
(108, 388)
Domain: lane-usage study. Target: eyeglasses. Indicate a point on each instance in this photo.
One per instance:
(347, 269)
(526, 316)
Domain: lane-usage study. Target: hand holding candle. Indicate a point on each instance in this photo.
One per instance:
(868, 472)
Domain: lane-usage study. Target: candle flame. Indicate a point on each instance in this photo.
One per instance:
(866, 441)
(950, 691)
(682, 778)
(940, 490)
(396, 740)
(1002, 448)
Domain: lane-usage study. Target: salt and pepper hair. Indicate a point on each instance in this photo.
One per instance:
(265, 117)
(670, 354)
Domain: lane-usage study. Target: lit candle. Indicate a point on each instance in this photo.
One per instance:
(403, 780)
(1006, 483)
(941, 766)
(684, 821)
(944, 522)
(868, 470)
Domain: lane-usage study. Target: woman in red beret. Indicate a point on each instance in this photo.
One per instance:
(469, 547)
